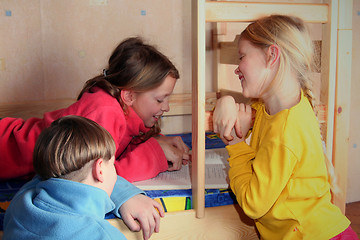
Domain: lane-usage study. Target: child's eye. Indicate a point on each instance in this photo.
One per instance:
(159, 100)
(241, 57)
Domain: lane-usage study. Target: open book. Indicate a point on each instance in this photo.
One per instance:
(216, 174)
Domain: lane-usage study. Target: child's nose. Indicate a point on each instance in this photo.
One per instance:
(237, 71)
(165, 106)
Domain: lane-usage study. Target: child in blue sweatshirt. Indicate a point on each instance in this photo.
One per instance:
(75, 187)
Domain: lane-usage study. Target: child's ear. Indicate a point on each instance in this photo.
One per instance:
(97, 170)
(127, 96)
(273, 55)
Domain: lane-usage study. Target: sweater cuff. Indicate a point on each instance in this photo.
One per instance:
(238, 148)
(240, 152)
(123, 191)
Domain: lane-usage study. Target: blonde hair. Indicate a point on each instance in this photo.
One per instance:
(335, 189)
(67, 148)
(298, 54)
(297, 51)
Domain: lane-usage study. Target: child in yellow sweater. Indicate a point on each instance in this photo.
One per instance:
(280, 179)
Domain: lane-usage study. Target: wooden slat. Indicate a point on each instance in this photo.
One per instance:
(342, 104)
(229, 52)
(328, 73)
(226, 222)
(30, 109)
(198, 109)
(249, 11)
(342, 116)
(181, 104)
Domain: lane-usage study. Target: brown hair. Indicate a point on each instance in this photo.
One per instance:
(135, 66)
(68, 145)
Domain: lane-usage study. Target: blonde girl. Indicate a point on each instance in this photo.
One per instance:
(280, 179)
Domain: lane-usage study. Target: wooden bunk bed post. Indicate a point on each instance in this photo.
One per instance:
(336, 88)
(198, 107)
(328, 74)
(342, 97)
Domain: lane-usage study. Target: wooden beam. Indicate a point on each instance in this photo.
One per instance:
(328, 74)
(249, 11)
(342, 101)
(181, 104)
(30, 109)
(198, 107)
(225, 222)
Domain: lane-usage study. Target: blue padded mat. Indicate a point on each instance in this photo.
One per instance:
(212, 140)
(7, 191)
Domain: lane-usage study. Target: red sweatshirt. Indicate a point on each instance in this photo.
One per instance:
(135, 162)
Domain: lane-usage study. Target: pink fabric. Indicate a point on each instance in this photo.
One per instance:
(348, 234)
(134, 162)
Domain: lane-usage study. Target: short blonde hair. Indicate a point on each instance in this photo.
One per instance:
(68, 145)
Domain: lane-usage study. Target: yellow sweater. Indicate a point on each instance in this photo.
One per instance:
(281, 180)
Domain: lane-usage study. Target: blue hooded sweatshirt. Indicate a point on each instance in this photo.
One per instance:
(63, 209)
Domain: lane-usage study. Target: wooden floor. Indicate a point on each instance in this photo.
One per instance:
(353, 214)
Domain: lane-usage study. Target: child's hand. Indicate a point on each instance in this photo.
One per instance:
(175, 150)
(225, 118)
(146, 211)
(243, 123)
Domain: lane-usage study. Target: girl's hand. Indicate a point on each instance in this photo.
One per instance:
(243, 122)
(224, 118)
(146, 211)
(176, 151)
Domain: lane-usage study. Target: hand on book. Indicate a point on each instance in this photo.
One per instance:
(175, 150)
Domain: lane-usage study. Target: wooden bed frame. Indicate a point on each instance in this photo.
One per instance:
(229, 222)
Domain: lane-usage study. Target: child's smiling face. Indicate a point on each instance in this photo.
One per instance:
(252, 69)
(151, 105)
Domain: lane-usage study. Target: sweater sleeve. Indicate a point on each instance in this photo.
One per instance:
(141, 161)
(258, 179)
(123, 191)
(17, 141)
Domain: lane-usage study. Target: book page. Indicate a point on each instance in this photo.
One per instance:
(216, 174)
(168, 180)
